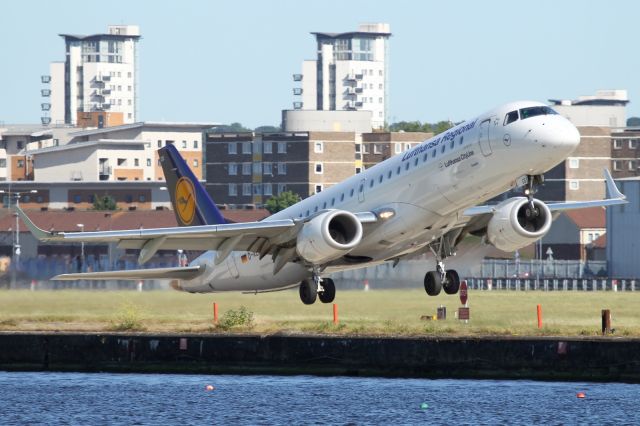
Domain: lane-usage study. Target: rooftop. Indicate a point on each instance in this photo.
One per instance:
(618, 97)
(142, 124)
(594, 217)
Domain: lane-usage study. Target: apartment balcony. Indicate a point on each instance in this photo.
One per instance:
(45, 121)
(297, 105)
(105, 92)
(297, 91)
(45, 106)
(350, 106)
(297, 77)
(104, 171)
(46, 79)
(45, 92)
(358, 90)
(358, 104)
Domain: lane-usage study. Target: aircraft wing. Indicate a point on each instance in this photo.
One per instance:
(260, 237)
(183, 273)
(614, 197)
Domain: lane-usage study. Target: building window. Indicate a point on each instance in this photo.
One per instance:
(318, 147)
(246, 168)
(267, 189)
(20, 164)
(257, 189)
(142, 198)
(358, 148)
(617, 165)
(136, 162)
(159, 144)
(632, 165)
(233, 169)
(148, 162)
(20, 144)
(376, 149)
(233, 190)
(267, 168)
(617, 144)
(195, 162)
(77, 198)
(574, 185)
(282, 168)
(232, 148)
(246, 147)
(246, 189)
(267, 147)
(282, 147)
(184, 144)
(397, 148)
(318, 168)
(122, 161)
(633, 143)
(3, 162)
(282, 188)
(318, 190)
(358, 170)
(574, 163)
(195, 144)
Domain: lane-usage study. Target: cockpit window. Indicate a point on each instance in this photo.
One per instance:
(510, 117)
(534, 111)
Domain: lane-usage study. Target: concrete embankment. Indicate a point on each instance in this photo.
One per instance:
(608, 359)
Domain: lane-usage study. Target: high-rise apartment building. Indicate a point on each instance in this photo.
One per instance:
(96, 84)
(350, 73)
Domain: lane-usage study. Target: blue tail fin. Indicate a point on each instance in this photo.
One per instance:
(191, 203)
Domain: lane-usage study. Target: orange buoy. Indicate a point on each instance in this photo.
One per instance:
(209, 388)
(580, 395)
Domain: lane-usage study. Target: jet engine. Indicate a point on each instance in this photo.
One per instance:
(329, 236)
(515, 224)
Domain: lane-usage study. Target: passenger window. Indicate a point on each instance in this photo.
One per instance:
(453, 142)
(316, 209)
(406, 167)
(371, 183)
(361, 188)
(333, 202)
(307, 212)
(389, 174)
(342, 196)
(433, 153)
(415, 163)
(324, 206)
(443, 148)
(398, 171)
(510, 117)
(425, 157)
(461, 139)
(352, 191)
(380, 179)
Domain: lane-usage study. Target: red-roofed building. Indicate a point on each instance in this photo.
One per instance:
(575, 230)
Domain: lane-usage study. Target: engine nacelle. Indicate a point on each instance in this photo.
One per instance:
(513, 226)
(328, 236)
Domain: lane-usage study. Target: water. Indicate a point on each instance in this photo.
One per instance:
(153, 399)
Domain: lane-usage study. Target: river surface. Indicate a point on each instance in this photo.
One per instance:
(168, 399)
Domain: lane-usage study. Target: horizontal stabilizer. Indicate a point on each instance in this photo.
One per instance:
(181, 273)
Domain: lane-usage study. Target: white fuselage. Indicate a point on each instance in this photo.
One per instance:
(428, 187)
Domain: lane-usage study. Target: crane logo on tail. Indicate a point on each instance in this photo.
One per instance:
(185, 200)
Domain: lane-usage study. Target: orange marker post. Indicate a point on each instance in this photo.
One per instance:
(335, 313)
(215, 312)
(539, 316)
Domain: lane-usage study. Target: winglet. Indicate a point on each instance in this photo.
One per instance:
(612, 189)
(40, 234)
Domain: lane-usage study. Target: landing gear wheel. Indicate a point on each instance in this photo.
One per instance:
(432, 283)
(452, 282)
(308, 292)
(329, 291)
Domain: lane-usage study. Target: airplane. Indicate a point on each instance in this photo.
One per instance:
(426, 199)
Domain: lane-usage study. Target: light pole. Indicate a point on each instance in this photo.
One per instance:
(81, 226)
(16, 244)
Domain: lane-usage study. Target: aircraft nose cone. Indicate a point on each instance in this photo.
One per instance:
(562, 135)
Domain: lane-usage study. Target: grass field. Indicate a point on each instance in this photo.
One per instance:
(385, 312)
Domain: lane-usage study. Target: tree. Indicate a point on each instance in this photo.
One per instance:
(282, 201)
(267, 129)
(106, 202)
(417, 126)
(231, 128)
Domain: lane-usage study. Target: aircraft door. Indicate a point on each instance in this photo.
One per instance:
(232, 266)
(483, 138)
(361, 188)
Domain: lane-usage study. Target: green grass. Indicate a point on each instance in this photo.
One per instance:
(383, 312)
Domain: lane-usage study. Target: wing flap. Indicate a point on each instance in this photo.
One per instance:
(183, 273)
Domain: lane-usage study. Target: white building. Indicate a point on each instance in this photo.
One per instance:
(119, 153)
(350, 73)
(606, 109)
(99, 74)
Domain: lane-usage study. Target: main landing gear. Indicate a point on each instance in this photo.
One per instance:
(441, 278)
(322, 288)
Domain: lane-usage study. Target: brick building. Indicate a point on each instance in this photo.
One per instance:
(625, 153)
(379, 146)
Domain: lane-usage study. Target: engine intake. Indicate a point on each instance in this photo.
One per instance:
(329, 236)
(514, 225)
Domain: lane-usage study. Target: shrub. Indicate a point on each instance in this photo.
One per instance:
(242, 317)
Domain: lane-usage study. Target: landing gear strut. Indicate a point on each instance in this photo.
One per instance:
(529, 190)
(435, 281)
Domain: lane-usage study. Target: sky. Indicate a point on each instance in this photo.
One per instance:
(232, 61)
